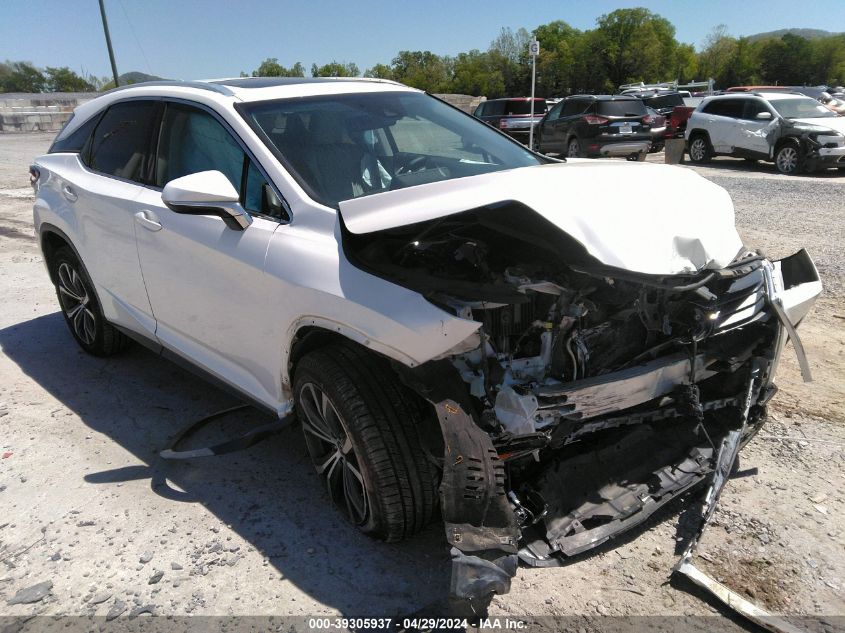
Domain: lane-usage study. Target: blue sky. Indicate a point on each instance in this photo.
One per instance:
(193, 39)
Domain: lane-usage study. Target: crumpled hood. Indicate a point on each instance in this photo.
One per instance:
(833, 123)
(642, 217)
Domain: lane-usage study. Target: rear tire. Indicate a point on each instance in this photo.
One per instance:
(80, 307)
(573, 148)
(699, 149)
(361, 429)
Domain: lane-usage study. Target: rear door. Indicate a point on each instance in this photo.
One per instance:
(206, 281)
(721, 116)
(104, 194)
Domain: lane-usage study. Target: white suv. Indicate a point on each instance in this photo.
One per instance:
(454, 320)
(793, 130)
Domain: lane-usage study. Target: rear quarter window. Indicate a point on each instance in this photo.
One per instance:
(76, 140)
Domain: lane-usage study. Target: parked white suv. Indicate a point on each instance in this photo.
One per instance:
(453, 319)
(796, 132)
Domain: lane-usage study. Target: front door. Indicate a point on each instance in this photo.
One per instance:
(206, 281)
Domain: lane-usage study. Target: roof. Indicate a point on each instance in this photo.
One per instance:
(762, 95)
(622, 97)
(260, 88)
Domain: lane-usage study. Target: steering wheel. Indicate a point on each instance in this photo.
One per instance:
(415, 164)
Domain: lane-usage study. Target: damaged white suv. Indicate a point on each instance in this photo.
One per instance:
(456, 321)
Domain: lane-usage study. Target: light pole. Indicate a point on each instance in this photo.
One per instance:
(533, 50)
(108, 43)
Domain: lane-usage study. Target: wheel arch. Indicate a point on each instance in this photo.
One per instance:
(51, 239)
(701, 132)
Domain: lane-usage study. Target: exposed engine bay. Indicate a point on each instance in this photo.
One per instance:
(590, 396)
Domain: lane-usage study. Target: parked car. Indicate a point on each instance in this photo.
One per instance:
(677, 121)
(514, 117)
(658, 130)
(663, 101)
(455, 321)
(796, 132)
(832, 103)
(594, 126)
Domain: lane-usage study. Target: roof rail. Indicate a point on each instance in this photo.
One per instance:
(201, 85)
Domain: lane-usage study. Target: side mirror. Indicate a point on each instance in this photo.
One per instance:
(206, 193)
(764, 116)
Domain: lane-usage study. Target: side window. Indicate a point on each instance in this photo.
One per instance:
(753, 107)
(259, 196)
(121, 140)
(554, 113)
(479, 111)
(726, 107)
(574, 107)
(191, 141)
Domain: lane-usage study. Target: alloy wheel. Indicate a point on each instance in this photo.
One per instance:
(332, 453)
(787, 160)
(75, 299)
(574, 148)
(698, 150)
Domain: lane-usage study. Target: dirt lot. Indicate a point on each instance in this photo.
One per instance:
(87, 505)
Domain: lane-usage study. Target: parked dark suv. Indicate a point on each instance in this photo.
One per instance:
(512, 116)
(593, 126)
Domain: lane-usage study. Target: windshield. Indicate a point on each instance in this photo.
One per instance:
(801, 108)
(340, 147)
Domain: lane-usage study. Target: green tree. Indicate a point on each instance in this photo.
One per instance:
(635, 45)
(475, 73)
(21, 77)
(509, 54)
(786, 61)
(379, 71)
(65, 80)
(335, 69)
(556, 62)
(423, 70)
(271, 67)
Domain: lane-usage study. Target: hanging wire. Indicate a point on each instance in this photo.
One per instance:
(137, 41)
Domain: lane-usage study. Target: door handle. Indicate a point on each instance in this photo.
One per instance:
(69, 193)
(148, 220)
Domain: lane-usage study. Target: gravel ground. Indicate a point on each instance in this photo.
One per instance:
(97, 524)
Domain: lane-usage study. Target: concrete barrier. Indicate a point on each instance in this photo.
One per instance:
(467, 103)
(42, 112)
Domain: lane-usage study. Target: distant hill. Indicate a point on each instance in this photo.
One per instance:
(810, 34)
(133, 77)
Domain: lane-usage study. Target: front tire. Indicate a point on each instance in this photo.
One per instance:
(361, 430)
(788, 159)
(699, 149)
(80, 307)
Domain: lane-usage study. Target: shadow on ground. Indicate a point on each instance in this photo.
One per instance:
(268, 494)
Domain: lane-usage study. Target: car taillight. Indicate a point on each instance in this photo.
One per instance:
(648, 119)
(592, 119)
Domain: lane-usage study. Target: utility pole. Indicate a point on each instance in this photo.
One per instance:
(534, 50)
(108, 43)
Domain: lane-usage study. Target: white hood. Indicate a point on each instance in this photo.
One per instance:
(641, 217)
